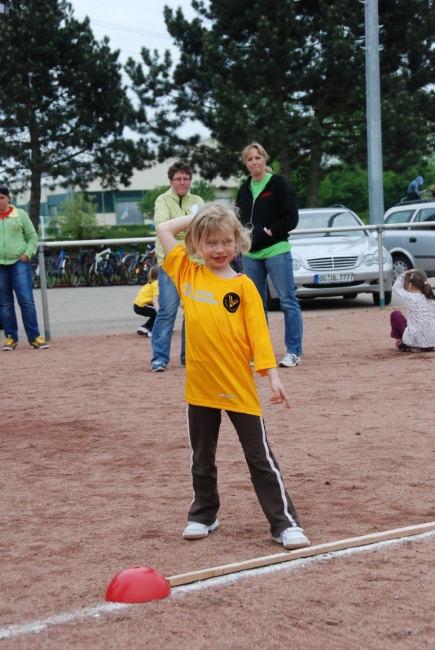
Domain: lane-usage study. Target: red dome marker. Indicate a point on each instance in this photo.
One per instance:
(140, 584)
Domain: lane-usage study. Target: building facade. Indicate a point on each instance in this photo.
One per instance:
(118, 206)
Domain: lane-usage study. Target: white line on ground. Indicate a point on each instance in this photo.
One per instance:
(107, 608)
(294, 564)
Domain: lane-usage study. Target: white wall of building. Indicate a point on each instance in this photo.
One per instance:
(141, 181)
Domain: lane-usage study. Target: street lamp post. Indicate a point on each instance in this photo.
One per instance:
(373, 101)
(374, 130)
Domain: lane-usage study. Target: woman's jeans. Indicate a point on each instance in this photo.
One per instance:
(169, 301)
(280, 269)
(17, 278)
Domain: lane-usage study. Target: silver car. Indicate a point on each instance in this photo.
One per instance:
(412, 248)
(342, 263)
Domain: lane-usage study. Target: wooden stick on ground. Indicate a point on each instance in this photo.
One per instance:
(255, 563)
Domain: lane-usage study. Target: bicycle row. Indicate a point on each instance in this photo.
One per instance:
(95, 267)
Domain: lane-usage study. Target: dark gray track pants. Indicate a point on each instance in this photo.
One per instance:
(203, 428)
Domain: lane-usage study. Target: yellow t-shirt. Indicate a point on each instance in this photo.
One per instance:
(147, 293)
(225, 328)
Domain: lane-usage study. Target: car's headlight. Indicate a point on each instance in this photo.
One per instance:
(296, 265)
(374, 258)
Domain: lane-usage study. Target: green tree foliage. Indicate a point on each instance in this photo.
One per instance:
(407, 60)
(291, 75)
(146, 204)
(63, 107)
(348, 186)
(77, 217)
(277, 72)
(204, 189)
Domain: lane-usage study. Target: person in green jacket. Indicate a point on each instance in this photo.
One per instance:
(18, 243)
(176, 202)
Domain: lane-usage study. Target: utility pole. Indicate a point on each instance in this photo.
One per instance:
(373, 100)
(374, 130)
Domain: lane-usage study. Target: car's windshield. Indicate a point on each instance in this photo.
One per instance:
(330, 219)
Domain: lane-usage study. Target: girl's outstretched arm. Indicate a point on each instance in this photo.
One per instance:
(279, 395)
(167, 231)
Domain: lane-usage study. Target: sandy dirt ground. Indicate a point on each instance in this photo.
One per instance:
(95, 479)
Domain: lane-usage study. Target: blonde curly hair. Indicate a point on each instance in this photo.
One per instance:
(211, 218)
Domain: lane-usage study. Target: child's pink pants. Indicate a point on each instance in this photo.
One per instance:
(398, 324)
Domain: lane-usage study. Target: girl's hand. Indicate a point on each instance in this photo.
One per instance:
(168, 230)
(279, 394)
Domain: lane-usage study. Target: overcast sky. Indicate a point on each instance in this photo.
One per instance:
(131, 25)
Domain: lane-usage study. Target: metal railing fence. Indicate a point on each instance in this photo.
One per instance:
(73, 244)
(378, 228)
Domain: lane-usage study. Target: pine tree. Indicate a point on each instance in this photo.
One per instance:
(291, 75)
(270, 72)
(63, 107)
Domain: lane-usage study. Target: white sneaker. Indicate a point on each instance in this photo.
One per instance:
(289, 360)
(149, 334)
(292, 538)
(195, 530)
(143, 331)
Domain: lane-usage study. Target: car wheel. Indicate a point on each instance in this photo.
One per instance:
(350, 296)
(400, 265)
(387, 296)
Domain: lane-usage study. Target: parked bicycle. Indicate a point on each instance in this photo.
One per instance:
(84, 260)
(63, 269)
(93, 270)
(136, 266)
(34, 265)
(104, 267)
(111, 267)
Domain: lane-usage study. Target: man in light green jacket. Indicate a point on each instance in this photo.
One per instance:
(18, 243)
(176, 202)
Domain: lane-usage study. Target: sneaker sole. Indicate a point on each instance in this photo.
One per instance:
(9, 349)
(202, 535)
(292, 365)
(159, 369)
(198, 536)
(302, 543)
(295, 545)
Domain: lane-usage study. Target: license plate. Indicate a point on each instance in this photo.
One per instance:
(330, 278)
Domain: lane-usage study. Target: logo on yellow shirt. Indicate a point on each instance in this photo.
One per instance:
(231, 302)
(201, 296)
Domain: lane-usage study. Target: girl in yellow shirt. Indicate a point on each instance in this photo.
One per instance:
(147, 302)
(225, 329)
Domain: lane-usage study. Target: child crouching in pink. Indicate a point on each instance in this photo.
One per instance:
(417, 333)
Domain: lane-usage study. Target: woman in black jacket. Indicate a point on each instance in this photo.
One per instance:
(267, 203)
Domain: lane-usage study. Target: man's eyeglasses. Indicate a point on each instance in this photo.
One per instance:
(181, 180)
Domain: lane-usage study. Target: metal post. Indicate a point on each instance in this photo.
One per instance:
(381, 269)
(44, 295)
(373, 101)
